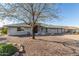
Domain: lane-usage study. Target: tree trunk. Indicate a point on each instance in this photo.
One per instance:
(33, 33)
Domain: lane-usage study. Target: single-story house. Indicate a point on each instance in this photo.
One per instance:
(43, 29)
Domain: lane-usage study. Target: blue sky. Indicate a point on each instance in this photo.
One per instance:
(69, 15)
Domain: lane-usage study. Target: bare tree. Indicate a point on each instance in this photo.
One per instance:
(29, 13)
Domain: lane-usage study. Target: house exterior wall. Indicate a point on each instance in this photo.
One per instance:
(55, 30)
(41, 31)
(13, 31)
(52, 31)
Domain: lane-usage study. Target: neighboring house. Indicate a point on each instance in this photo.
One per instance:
(43, 29)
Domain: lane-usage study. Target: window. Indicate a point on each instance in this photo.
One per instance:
(19, 29)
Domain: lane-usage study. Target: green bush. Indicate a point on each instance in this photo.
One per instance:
(4, 31)
(7, 49)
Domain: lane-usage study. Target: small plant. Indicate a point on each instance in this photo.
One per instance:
(4, 31)
(7, 49)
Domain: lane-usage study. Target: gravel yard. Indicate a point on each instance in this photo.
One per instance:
(65, 45)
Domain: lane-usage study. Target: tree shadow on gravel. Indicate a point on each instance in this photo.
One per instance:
(68, 44)
(1, 39)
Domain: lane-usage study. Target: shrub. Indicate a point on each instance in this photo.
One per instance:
(7, 49)
(4, 31)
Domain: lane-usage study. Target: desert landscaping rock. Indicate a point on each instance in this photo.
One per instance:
(16, 54)
(21, 49)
